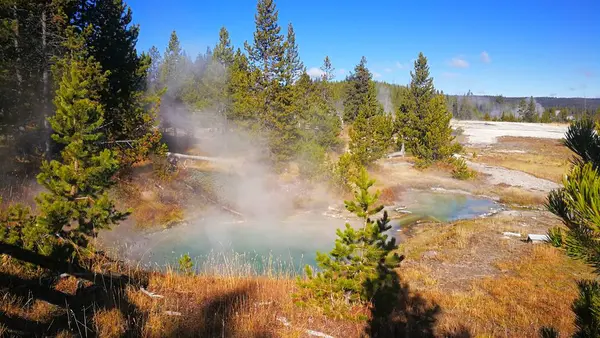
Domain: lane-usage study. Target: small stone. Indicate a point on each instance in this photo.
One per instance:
(429, 254)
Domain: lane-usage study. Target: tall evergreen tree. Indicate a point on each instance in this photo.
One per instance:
(531, 114)
(371, 132)
(243, 104)
(326, 87)
(31, 35)
(154, 69)
(328, 70)
(171, 71)
(267, 51)
(130, 116)
(423, 121)
(357, 90)
(522, 108)
(293, 64)
(269, 62)
(421, 83)
(223, 51)
(76, 204)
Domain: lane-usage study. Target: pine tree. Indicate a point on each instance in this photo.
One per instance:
(173, 60)
(423, 121)
(328, 70)
(325, 86)
(371, 132)
(578, 204)
(530, 114)
(129, 114)
(267, 51)
(269, 59)
(357, 90)
(223, 51)
(319, 125)
(76, 204)
(522, 109)
(363, 260)
(547, 115)
(421, 84)
(154, 69)
(294, 66)
(243, 105)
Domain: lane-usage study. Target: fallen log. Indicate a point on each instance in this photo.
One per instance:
(199, 158)
(151, 294)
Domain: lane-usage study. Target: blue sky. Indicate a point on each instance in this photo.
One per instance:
(514, 48)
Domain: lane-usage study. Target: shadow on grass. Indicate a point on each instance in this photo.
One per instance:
(398, 312)
(215, 318)
(94, 292)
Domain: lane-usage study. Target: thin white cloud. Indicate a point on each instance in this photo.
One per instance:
(315, 72)
(342, 72)
(458, 62)
(376, 75)
(485, 57)
(388, 70)
(400, 65)
(450, 75)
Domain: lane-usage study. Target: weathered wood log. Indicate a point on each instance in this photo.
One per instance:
(151, 294)
(199, 158)
(535, 238)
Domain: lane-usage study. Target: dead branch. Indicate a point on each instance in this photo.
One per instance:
(151, 294)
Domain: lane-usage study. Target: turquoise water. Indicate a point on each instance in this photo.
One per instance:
(285, 245)
(446, 206)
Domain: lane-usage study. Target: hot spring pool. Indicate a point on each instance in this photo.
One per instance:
(227, 245)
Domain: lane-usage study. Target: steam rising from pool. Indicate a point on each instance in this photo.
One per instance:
(227, 245)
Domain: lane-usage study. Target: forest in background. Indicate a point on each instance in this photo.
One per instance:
(80, 106)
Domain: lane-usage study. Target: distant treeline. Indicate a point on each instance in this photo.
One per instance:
(489, 107)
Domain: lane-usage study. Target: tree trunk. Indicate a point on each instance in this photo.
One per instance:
(17, 50)
(45, 87)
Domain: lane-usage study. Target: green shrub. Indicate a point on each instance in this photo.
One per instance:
(311, 160)
(461, 171)
(343, 171)
(556, 237)
(186, 265)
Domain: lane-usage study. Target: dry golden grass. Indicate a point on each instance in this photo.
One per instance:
(156, 213)
(109, 323)
(533, 292)
(543, 158)
(515, 303)
(519, 197)
(526, 287)
(388, 196)
(483, 285)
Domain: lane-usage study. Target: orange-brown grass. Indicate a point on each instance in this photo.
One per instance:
(154, 213)
(388, 196)
(230, 307)
(534, 291)
(483, 285)
(109, 323)
(544, 158)
(519, 197)
(490, 285)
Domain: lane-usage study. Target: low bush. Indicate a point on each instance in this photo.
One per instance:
(461, 171)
